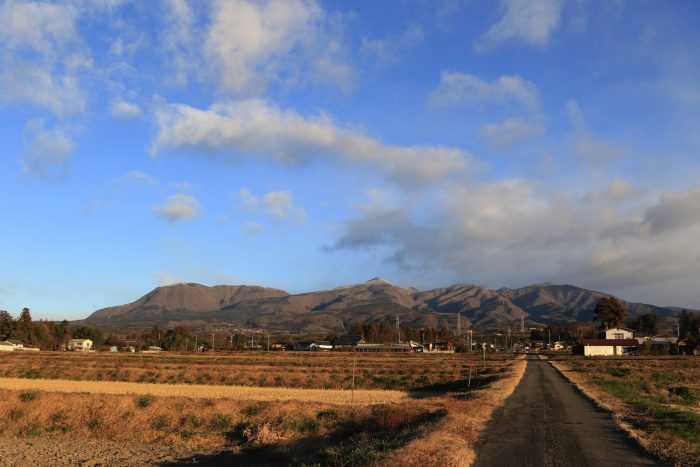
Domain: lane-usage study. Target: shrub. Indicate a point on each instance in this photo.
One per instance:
(221, 423)
(160, 423)
(32, 429)
(15, 414)
(28, 396)
(619, 371)
(190, 420)
(252, 410)
(682, 392)
(144, 401)
(95, 423)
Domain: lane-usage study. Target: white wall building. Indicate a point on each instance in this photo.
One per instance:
(619, 333)
(80, 344)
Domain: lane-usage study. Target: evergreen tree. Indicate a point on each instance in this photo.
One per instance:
(25, 324)
(6, 324)
(609, 312)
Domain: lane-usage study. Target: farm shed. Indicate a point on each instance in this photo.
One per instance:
(348, 342)
(80, 344)
(6, 347)
(608, 347)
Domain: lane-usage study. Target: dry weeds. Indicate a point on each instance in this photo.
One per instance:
(329, 396)
(452, 441)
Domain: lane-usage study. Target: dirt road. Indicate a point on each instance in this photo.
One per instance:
(547, 422)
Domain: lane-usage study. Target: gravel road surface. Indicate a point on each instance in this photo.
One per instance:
(548, 422)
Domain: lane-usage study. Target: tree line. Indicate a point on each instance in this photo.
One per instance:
(46, 335)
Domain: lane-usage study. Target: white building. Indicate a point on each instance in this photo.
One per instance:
(608, 347)
(619, 333)
(80, 344)
(6, 346)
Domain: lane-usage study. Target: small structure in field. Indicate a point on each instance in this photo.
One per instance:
(153, 349)
(348, 343)
(16, 343)
(557, 346)
(440, 347)
(30, 348)
(389, 347)
(6, 346)
(314, 346)
(608, 347)
(80, 345)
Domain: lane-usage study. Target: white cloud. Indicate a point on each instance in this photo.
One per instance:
(124, 110)
(253, 127)
(588, 146)
(252, 228)
(135, 177)
(456, 88)
(518, 231)
(530, 21)
(280, 205)
(41, 56)
(165, 278)
(248, 201)
(388, 50)
(501, 136)
(250, 43)
(178, 207)
(47, 152)
(277, 204)
(620, 189)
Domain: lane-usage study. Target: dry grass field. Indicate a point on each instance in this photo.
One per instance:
(432, 413)
(656, 399)
(259, 369)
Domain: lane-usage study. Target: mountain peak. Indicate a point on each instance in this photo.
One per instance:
(378, 280)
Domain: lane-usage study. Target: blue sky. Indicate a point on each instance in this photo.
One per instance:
(303, 144)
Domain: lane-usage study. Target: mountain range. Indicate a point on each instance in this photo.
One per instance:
(204, 308)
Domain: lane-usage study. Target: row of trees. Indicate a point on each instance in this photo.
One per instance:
(47, 335)
(385, 331)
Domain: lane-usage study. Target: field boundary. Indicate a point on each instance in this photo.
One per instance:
(330, 396)
(607, 403)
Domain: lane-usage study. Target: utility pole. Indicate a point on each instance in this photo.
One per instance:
(213, 345)
(196, 347)
(268, 342)
(471, 340)
(459, 323)
(398, 328)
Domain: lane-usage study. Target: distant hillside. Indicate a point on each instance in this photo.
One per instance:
(335, 310)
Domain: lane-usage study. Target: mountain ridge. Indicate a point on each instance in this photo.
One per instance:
(335, 310)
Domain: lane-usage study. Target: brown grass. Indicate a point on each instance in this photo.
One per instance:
(311, 370)
(329, 396)
(438, 424)
(452, 442)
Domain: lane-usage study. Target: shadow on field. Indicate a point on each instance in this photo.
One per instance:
(457, 389)
(354, 442)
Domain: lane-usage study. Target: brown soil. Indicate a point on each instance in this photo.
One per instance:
(42, 451)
